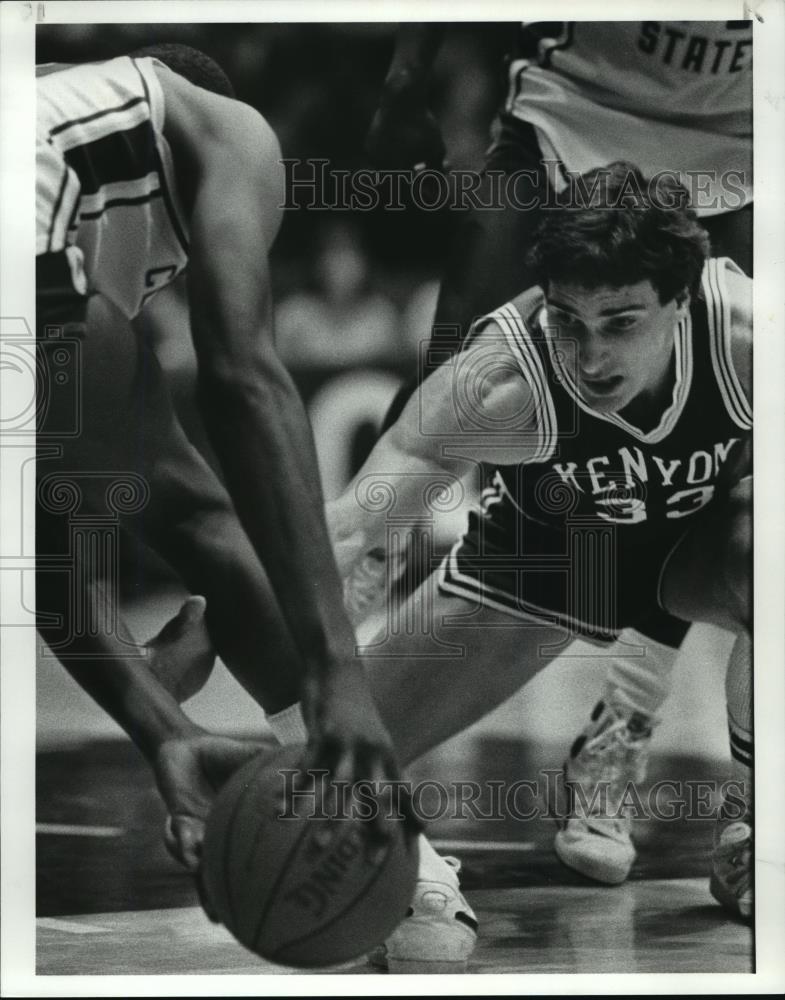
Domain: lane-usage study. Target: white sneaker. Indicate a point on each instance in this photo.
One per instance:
(731, 867)
(440, 930)
(610, 755)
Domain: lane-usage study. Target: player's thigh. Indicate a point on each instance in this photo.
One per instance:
(435, 634)
(130, 437)
(708, 576)
(441, 662)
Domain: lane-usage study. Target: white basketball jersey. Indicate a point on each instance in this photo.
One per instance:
(105, 182)
(665, 95)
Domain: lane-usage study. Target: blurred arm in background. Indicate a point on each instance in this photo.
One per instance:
(403, 132)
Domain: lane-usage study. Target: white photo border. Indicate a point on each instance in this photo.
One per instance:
(17, 693)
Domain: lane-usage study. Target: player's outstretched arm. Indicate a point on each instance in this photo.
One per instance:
(257, 422)
(251, 408)
(403, 134)
(476, 409)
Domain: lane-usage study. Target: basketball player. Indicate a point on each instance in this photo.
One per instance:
(607, 411)
(668, 96)
(146, 166)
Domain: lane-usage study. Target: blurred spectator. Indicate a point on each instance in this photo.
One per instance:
(343, 323)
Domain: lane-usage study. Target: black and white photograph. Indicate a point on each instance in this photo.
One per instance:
(384, 586)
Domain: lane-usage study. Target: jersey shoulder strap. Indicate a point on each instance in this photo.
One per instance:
(719, 309)
(517, 322)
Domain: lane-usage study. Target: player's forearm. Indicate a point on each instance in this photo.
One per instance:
(416, 46)
(401, 481)
(127, 690)
(260, 431)
(429, 451)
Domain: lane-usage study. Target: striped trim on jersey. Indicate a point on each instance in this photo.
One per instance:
(718, 306)
(110, 158)
(115, 156)
(682, 337)
(98, 116)
(546, 46)
(137, 191)
(165, 164)
(53, 174)
(741, 748)
(525, 353)
(452, 581)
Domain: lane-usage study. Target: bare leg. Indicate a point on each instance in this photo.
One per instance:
(129, 430)
(424, 699)
(709, 577)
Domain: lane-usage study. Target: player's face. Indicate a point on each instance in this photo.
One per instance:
(624, 339)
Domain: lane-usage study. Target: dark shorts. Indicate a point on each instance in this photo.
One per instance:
(514, 146)
(58, 302)
(60, 329)
(588, 578)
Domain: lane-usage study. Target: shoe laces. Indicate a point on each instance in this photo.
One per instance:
(366, 582)
(614, 752)
(734, 845)
(612, 827)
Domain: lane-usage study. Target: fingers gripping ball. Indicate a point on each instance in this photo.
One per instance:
(296, 885)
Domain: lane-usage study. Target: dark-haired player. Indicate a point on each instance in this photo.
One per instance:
(672, 96)
(607, 413)
(147, 167)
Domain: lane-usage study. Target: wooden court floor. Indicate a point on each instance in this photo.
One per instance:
(651, 925)
(110, 900)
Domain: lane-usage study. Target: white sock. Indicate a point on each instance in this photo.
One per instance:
(643, 682)
(738, 695)
(432, 867)
(288, 726)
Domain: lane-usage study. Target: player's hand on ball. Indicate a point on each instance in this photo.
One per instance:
(350, 743)
(404, 135)
(190, 771)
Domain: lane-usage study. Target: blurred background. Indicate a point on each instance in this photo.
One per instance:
(355, 294)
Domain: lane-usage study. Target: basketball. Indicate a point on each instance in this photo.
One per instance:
(295, 884)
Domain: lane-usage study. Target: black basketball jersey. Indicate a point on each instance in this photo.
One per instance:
(597, 467)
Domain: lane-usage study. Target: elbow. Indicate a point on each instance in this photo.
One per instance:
(237, 384)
